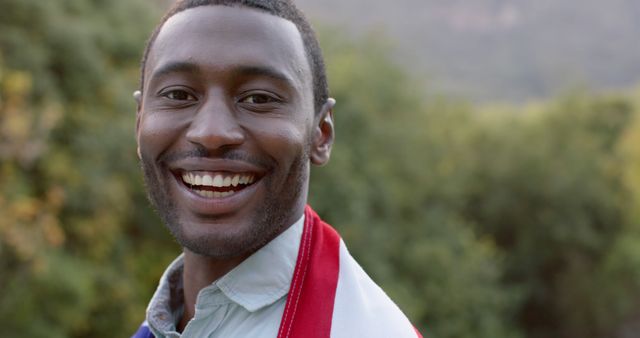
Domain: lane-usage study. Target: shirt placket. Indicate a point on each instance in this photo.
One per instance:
(211, 309)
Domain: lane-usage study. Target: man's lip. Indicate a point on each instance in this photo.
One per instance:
(215, 165)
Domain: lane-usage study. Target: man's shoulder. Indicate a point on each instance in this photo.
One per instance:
(362, 308)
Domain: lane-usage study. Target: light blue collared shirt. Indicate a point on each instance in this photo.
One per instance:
(246, 302)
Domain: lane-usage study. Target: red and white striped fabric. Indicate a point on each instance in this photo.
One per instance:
(331, 296)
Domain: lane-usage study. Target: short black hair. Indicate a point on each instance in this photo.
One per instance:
(285, 9)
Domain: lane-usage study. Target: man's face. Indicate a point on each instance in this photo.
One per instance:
(225, 128)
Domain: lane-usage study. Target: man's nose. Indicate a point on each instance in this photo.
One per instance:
(215, 125)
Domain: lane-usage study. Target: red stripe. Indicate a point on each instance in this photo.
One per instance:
(309, 307)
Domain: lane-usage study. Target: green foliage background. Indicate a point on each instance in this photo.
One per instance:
(490, 221)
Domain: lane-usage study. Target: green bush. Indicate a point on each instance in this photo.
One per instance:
(479, 221)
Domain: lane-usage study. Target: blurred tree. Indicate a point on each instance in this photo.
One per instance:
(72, 205)
(547, 185)
(391, 189)
(496, 222)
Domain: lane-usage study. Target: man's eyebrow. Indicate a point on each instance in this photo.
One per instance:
(239, 71)
(176, 67)
(264, 71)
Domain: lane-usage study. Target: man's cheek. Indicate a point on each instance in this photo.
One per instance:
(156, 135)
(287, 140)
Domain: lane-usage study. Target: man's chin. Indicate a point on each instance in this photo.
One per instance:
(226, 240)
(216, 248)
(210, 246)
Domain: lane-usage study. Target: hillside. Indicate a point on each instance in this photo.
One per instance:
(501, 50)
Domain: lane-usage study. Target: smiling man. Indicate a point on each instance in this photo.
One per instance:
(232, 111)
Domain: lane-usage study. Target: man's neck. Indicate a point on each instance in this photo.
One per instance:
(199, 272)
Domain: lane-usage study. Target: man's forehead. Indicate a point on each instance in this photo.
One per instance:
(225, 35)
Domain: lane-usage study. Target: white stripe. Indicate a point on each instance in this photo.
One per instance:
(361, 307)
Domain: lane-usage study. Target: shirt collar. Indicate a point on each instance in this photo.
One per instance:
(260, 280)
(165, 307)
(265, 276)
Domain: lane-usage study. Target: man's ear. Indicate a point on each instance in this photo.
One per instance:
(137, 95)
(323, 134)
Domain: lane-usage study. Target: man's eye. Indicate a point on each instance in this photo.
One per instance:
(179, 95)
(258, 99)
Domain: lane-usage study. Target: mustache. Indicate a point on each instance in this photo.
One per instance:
(231, 155)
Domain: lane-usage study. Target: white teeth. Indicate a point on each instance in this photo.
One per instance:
(217, 180)
(214, 194)
(204, 193)
(207, 180)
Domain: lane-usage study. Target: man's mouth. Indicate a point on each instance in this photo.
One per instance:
(216, 184)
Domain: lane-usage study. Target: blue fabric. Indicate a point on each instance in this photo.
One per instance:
(143, 332)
